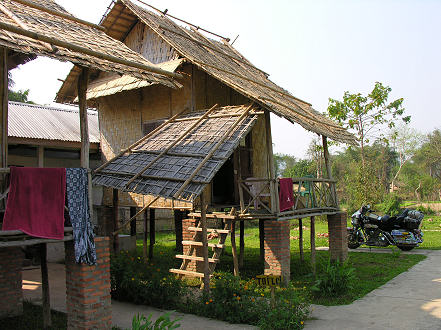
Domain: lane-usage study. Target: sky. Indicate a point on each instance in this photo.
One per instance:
(315, 49)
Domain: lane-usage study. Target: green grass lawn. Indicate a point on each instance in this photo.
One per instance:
(371, 269)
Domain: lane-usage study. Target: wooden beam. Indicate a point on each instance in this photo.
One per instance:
(115, 219)
(4, 106)
(234, 248)
(144, 241)
(241, 242)
(157, 129)
(84, 126)
(178, 216)
(40, 156)
(301, 240)
(328, 168)
(59, 14)
(152, 232)
(262, 239)
(205, 243)
(179, 139)
(274, 191)
(87, 51)
(313, 263)
(133, 221)
(47, 322)
(212, 151)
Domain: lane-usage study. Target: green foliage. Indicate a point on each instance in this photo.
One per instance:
(132, 279)
(19, 96)
(288, 166)
(334, 280)
(391, 204)
(236, 301)
(140, 322)
(425, 210)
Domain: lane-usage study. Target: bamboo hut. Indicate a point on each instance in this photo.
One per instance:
(202, 145)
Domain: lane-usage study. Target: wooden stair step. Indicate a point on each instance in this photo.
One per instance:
(210, 230)
(182, 256)
(187, 272)
(212, 245)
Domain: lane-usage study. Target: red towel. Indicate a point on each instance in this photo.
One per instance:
(286, 194)
(36, 202)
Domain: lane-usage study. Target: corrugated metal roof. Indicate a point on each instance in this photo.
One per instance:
(161, 164)
(49, 123)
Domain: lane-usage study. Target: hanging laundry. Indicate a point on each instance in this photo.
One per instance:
(36, 202)
(286, 194)
(78, 204)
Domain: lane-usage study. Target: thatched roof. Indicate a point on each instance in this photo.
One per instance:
(182, 157)
(22, 28)
(220, 60)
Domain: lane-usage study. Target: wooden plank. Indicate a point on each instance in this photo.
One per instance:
(270, 162)
(84, 126)
(35, 241)
(241, 243)
(144, 240)
(47, 322)
(187, 272)
(178, 217)
(212, 245)
(115, 204)
(213, 215)
(40, 156)
(212, 151)
(205, 242)
(313, 262)
(183, 256)
(152, 233)
(295, 180)
(133, 217)
(4, 107)
(19, 232)
(179, 139)
(210, 230)
(233, 248)
(262, 240)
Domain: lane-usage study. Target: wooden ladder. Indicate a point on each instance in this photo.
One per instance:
(217, 249)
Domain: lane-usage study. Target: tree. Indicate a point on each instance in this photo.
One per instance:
(19, 96)
(367, 116)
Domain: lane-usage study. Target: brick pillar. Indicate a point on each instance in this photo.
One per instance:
(187, 235)
(338, 237)
(277, 248)
(11, 302)
(88, 289)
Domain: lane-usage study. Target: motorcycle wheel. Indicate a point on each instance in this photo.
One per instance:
(405, 247)
(352, 240)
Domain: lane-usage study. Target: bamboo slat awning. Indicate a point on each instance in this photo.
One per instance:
(177, 160)
(27, 31)
(223, 62)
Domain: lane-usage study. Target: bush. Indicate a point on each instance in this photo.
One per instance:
(426, 210)
(140, 322)
(132, 279)
(391, 204)
(236, 301)
(336, 278)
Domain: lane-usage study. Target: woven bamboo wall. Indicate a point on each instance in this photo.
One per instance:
(122, 116)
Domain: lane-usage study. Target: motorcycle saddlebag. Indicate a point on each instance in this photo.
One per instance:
(410, 223)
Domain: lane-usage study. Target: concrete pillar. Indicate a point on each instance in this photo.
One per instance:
(11, 302)
(338, 237)
(88, 289)
(277, 249)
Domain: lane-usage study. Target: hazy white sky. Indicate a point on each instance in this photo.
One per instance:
(315, 49)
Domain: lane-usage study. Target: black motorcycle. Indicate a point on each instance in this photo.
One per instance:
(403, 231)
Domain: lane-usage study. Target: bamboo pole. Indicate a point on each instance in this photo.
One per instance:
(205, 243)
(328, 168)
(87, 51)
(115, 219)
(160, 127)
(59, 14)
(301, 240)
(47, 322)
(179, 139)
(274, 191)
(152, 233)
(241, 242)
(313, 262)
(211, 153)
(234, 248)
(134, 217)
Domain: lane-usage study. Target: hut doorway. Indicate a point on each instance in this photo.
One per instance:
(223, 184)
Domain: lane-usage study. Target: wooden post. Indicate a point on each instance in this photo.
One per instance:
(40, 156)
(313, 265)
(275, 208)
(83, 81)
(4, 114)
(47, 322)
(241, 242)
(301, 239)
(152, 233)
(133, 222)
(178, 215)
(328, 168)
(144, 241)
(233, 247)
(205, 243)
(238, 174)
(262, 239)
(115, 220)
